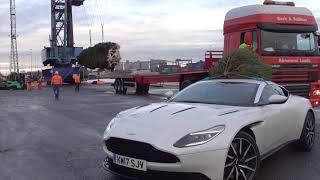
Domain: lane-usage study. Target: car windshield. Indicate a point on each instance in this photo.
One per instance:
(222, 93)
(283, 44)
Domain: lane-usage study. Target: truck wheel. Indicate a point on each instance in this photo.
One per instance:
(146, 89)
(185, 84)
(139, 89)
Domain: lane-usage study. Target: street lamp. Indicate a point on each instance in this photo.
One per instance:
(31, 61)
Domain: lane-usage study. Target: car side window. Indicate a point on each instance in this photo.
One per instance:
(267, 92)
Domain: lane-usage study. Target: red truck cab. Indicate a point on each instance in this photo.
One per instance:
(285, 37)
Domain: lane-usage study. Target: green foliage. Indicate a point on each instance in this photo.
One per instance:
(241, 62)
(97, 56)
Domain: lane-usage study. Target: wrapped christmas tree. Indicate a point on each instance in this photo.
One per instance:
(102, 56)
(241, 63)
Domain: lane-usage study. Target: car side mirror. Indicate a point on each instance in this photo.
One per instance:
(169, 94)
(277, 99)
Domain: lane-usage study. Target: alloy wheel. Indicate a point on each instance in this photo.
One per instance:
(310, 131)
(242, 160)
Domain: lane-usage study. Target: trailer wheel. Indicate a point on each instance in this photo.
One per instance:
(116, 86)
(121, 86)
(125, 91)
(185, 84)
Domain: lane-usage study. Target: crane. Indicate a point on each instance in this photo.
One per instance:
(61, 54)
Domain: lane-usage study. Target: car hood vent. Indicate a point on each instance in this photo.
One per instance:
(142, 106)
(228, 112)
(158, 108)
(183, 110)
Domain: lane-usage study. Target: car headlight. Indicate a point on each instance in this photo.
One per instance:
(109, 127)
(199, 138)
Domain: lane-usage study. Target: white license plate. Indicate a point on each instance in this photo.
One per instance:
(128, 162)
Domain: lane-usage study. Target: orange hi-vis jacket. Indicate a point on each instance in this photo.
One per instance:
(77, 79)
(56, 80)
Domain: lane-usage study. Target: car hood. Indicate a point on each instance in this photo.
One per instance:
(162, 124)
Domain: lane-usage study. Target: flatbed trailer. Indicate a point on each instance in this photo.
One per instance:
(142, 82)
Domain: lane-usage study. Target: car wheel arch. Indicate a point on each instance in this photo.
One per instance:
(247, 129)
(312, 112)
(301, 123)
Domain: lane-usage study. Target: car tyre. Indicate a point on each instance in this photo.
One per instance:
(243, 158)
(306, 140)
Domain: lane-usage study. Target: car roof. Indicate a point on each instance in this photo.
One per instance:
(252, 81)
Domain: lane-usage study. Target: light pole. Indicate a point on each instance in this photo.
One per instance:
(31, 61)
(102, 33)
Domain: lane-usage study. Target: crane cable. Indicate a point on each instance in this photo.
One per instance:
(98, 6)
(89, 23)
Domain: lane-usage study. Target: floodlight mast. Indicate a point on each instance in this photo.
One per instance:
(14, 61)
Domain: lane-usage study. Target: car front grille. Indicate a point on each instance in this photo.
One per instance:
(154, 175)
(139, 150)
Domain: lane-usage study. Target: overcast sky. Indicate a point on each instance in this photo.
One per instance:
(162, 29)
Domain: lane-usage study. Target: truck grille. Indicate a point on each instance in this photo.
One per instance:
(294, 66)
(295, 73)
(139, 150)
(298, 89)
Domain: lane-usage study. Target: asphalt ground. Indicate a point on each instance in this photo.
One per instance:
(44, 139)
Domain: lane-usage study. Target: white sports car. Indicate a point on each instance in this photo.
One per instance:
(212, 130)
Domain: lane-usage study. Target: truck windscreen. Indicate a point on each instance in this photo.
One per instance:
(288, 44)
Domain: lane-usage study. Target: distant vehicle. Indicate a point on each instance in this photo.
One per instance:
(14, 85)
(11, 85)
(212, 130)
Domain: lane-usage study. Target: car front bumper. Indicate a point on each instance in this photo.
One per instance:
(197, 166)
